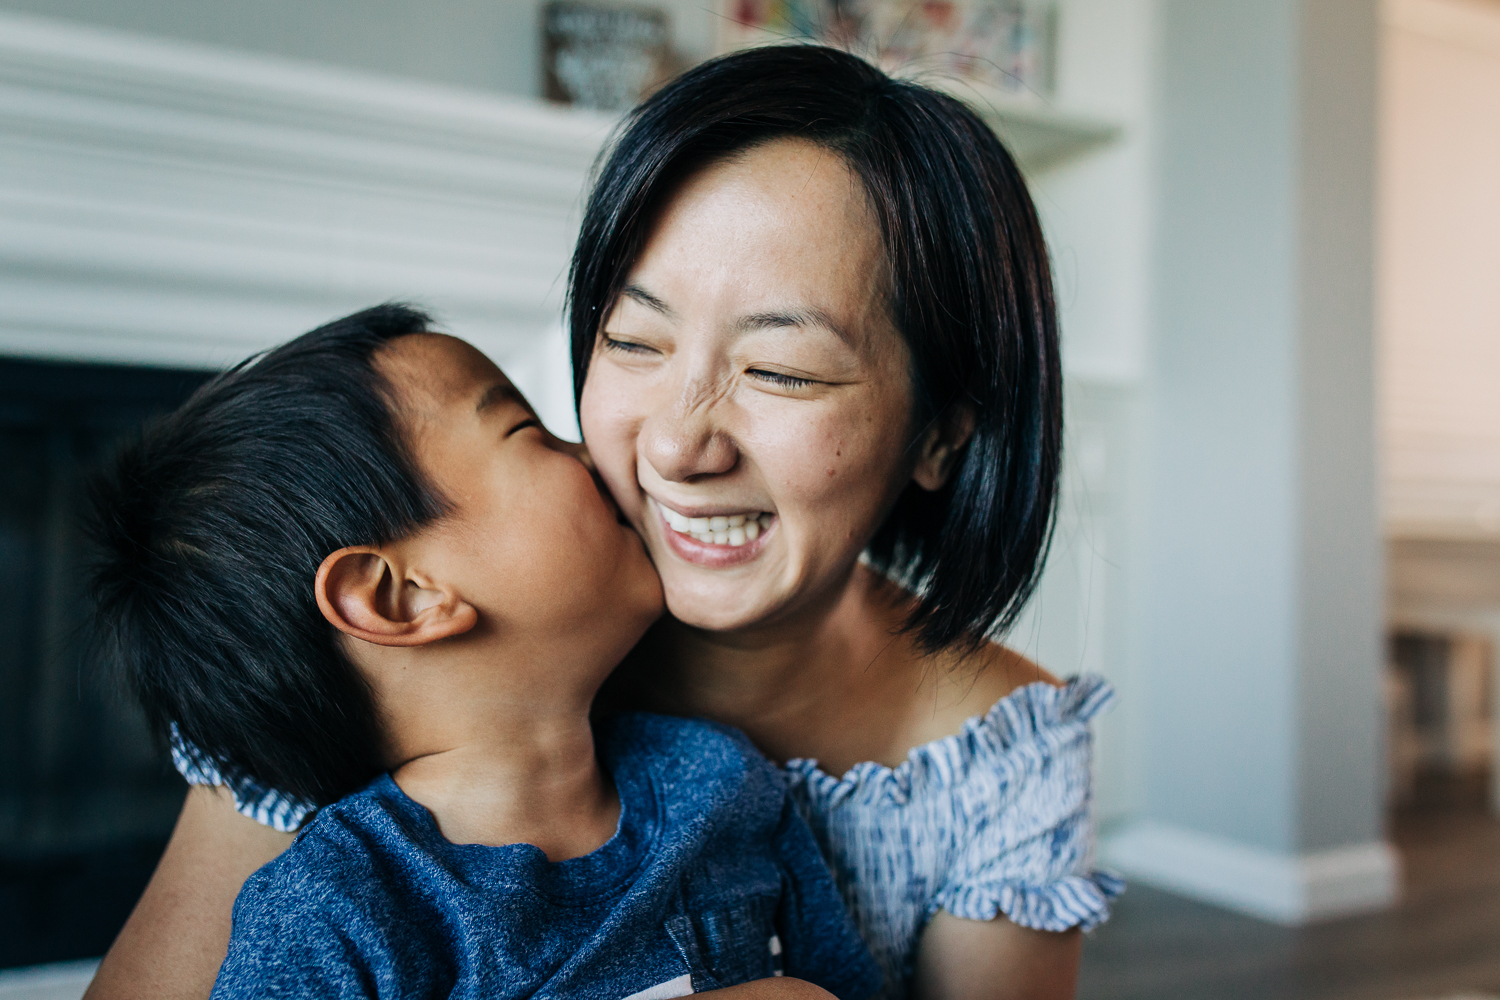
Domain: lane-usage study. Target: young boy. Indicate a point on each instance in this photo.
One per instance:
(357, 569)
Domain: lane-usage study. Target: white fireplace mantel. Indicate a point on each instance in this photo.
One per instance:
(173, 204)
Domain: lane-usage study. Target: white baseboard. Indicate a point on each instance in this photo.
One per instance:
(1285, 888)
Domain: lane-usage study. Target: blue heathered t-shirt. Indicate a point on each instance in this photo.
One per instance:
(711, 880)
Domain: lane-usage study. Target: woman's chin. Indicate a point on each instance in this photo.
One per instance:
(715, 610)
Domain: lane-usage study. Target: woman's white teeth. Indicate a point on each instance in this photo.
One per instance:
(735, 529)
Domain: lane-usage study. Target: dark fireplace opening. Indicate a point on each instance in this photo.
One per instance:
(86, 800)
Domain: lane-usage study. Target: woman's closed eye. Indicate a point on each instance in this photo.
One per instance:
(625, 346)
(781, 379)
(529, 422)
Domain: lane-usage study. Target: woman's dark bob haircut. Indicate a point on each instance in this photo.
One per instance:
(972, 295)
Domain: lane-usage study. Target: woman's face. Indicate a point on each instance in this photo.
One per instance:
(749, 399)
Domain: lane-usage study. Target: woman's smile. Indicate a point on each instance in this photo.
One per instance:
(712, 538)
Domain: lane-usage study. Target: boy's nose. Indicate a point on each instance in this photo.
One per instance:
(579, 451)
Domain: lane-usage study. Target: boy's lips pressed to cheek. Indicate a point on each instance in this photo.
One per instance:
(608, 498)
(717, 540)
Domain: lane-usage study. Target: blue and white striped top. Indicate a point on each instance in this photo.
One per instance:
(992, 820)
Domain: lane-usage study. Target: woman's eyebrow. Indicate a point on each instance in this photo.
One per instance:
(648, 300)
(810, 316)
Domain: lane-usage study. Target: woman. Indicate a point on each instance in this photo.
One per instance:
(812, 319)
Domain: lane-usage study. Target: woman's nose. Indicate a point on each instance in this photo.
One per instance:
(684, 442)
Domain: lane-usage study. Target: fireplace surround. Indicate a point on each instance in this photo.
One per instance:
(174, 204)
(86, 799)
(166, 209)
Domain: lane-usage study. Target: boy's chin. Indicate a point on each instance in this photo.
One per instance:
(645, 610)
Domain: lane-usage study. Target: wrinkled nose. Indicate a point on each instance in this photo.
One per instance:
(684, 442)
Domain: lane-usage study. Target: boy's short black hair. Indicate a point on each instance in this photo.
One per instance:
(209, 529)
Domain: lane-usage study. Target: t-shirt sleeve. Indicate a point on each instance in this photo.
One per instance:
(283, 947)
(818, 939)
(266, 806)
(1026, 847)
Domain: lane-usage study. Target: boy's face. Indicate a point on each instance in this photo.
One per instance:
(532, 541)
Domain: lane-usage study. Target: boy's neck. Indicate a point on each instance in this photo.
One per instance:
(496, 767)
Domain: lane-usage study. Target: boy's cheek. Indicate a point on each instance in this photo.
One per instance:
(621, 485)
(609, 424)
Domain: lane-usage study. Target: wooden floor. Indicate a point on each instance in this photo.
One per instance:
(1441, 941)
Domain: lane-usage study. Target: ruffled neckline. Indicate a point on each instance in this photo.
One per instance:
(1035, 715)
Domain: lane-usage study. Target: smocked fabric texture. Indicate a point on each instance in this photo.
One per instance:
(992, 820)
(266, 806)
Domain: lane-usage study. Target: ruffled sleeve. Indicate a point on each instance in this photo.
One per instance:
(266, 806)
(1025, 838)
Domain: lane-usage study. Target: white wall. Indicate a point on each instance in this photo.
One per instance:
(1097, 208)
(487, 44)
(477, 43)
(1439, 267)
(1259, 660)
(1097, 211)
(1222, 615)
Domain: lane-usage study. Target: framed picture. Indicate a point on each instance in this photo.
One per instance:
(1004, 43)
(604, 57)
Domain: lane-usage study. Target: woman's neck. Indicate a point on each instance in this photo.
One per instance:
(840, 683)
(796, 687)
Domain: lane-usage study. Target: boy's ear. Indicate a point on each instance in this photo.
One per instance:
(364, 593)
(940, 446)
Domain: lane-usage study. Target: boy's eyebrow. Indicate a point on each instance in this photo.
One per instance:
(500, 392)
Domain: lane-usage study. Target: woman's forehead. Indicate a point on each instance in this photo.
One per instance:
(785, 225)
(783, 178)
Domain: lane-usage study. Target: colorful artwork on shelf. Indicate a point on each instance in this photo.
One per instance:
(603, 57)
(1004, 43)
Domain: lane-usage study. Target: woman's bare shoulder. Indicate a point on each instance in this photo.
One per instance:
(1002, 670)
(956, 688)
